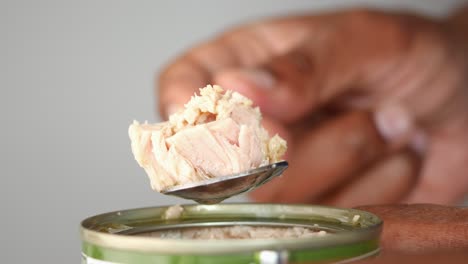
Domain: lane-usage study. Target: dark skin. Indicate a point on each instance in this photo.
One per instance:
(422, 227)
(364, 99)
(374, 107)
(422, 233)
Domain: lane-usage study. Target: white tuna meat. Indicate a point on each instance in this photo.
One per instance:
(218, 133)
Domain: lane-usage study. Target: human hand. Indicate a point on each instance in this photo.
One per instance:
(422, 233)
(422, 227)
(326, 82)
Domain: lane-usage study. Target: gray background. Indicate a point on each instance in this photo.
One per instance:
(73, 77)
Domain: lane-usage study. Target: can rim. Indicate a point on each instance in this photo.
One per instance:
(370, 230)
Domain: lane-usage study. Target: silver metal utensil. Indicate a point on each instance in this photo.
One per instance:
(215, 190)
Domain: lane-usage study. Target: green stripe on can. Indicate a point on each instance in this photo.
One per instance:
(335, 253)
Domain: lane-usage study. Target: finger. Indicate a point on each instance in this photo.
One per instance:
(422, 227)
(444, 176)
(411, 97)
(178, 83)
(192, 71)
(242, 47)
(386, 182)
(338, 57)
(323, 158)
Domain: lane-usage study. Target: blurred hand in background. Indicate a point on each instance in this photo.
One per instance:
(422, 233)
(374, 105)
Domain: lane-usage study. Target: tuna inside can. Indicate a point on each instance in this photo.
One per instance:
(230, 233)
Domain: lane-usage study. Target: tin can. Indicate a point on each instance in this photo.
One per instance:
(118, 237)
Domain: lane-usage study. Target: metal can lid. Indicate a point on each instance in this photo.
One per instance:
(116, 230)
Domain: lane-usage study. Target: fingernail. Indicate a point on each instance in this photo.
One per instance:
(260, 78)
(393, 122)
(172, 109)
(419, 142)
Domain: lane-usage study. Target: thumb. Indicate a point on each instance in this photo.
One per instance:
(334, 61)
(282, 87)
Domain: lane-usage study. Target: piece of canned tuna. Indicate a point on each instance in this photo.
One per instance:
(230, 233)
